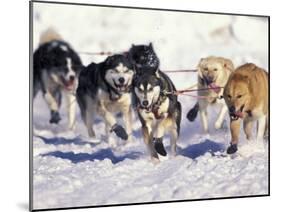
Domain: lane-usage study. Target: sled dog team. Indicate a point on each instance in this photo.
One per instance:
(132, 81)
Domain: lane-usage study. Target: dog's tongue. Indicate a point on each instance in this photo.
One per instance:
(239, 114)
(69, 85)
(214, 87)
(123, 88)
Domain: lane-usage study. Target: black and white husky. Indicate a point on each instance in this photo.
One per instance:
(159, 111)
(55, 70)
(105, 89)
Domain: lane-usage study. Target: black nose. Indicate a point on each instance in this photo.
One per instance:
(72, 78)
(145, 103)
(121, 80)
(232, 109)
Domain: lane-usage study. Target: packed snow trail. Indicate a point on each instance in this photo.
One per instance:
(73, 170)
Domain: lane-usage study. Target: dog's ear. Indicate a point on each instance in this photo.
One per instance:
(200, 62)
(228, 64)
(109, 60)
(199, 67)
(150, 45)
(157, 73)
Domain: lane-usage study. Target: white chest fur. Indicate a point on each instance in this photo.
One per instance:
(114, 106)
(152, 118)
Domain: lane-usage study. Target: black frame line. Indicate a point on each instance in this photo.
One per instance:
(146, 8)
(31, 105)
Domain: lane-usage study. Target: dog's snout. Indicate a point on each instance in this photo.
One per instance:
(72, 78)
(210, 78)
(232, 109)
(144, 102)
(121, 80)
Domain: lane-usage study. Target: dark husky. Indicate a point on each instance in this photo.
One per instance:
(158, 108)
(159, 111)
(105, 89)
(55, 70)
(144, 59)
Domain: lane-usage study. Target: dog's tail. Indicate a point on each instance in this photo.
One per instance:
(192, 114)
(49, 35)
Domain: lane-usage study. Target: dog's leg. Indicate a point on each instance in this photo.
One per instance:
(51, 101)
(248, 129)
(261, 127)
(235, 130)
(111, 121)
(192, 113)
(128, 121)
(219, 121)
(71, 106)
(174, 138)
(49, 89)
(148, 140)
(53, 105)
(36, 88)
(87, 112)
(109, 139)
(203, 115)
(89, 121)
(160, 128)
(58, 97)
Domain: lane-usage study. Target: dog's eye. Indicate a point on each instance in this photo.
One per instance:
(229, 96)
(205, 69)
(150, 89)
(239, 96)
(215, 69)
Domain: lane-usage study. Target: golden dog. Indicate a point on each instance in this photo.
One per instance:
(246, 95)
(213, 74)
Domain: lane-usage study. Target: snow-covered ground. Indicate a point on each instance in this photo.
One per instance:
(72, 170)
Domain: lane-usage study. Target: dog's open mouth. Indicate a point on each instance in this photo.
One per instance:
(121, 87)
(68, 84)
(214, 87)
(238, 114)
(147, 109)
(211, 85)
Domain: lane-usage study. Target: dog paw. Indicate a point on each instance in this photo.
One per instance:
(232, 149)
(192, 114)
(218, 125)
(159, 147)
(72, 127)
(55, 117)
(155, 161)
(120, 131)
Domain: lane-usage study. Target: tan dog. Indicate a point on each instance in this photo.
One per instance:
(213, 73)
(246, 95)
